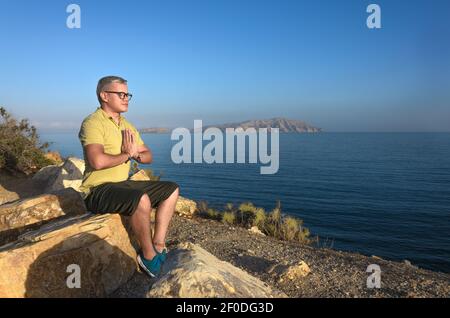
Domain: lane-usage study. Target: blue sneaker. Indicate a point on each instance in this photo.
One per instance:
(151, 267)
(162, 255)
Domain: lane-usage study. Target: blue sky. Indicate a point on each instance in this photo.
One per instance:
(226, 61)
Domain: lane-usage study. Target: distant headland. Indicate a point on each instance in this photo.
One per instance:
(283, 124)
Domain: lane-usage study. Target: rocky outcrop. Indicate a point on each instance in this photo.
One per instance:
(93, 253)
(185, 207)
(283, 124)
(66, 175)
(44, 207)
(193, 272)
(154, 130)
(295, 272)
(23, 215)
(256, 230)
(7, 196)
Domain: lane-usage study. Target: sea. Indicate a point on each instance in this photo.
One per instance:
(383, 194)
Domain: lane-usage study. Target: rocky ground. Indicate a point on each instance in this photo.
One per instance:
(332, 273)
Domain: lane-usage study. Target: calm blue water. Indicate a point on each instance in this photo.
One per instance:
(384, 194)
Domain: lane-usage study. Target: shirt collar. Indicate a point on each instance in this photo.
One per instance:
(106, 116)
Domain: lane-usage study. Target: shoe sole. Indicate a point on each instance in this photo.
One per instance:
(143, 267)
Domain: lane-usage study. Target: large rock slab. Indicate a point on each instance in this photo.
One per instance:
(7, 196)
(41, 264)
(192, 272)
(66, 175)
(22, 215)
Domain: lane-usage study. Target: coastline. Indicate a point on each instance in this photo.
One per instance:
(332, 273)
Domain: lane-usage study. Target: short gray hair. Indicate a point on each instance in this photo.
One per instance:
(104, 81)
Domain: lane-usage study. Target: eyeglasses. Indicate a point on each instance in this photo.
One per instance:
(122, 95)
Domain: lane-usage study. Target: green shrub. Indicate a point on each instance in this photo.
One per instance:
(202, 207)
(228, 218)
(214, 214)
(303, 235)
(273, 224)
(290, 227)
(246, 214)
(260, 218)
(247, 207)
(20, 150)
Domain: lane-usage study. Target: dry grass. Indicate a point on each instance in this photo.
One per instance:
(287, 228)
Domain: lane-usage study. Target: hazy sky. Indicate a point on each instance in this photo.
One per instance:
(226, 61)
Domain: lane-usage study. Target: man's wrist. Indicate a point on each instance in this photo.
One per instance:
(128, 156)
(137, 157)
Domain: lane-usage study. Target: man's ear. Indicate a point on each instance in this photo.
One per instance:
(104, 96)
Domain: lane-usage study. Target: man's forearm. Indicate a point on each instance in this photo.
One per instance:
(105, 161)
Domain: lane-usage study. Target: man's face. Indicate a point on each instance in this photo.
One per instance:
(113, 100)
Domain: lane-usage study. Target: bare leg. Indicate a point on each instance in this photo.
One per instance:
(140, 223)
(164, 214)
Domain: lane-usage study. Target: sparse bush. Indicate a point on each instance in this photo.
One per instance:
(247, 207)
(228, 218)
(303, 235)
(202, 207)
(273, 224)
(246, 213)
(214, 214)
(290, 227)
(20, 150)
(260, 218)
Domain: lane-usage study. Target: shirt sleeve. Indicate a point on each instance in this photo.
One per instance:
(90, 133)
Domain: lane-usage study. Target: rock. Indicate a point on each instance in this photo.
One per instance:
(185, 207)
(256, 230)
(141, 175)
(47, 174)
(7, 196)
(66, 175)
(44, 261)
(190, 271)
(296, 272)
(40, 208)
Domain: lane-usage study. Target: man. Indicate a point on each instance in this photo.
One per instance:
(109, 143)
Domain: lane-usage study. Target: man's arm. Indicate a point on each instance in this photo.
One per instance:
(98, 159)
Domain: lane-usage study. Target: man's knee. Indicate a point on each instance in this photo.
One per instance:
(144, 202)
(176, 192)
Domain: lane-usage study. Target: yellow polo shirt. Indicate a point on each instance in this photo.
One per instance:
(100, 128)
